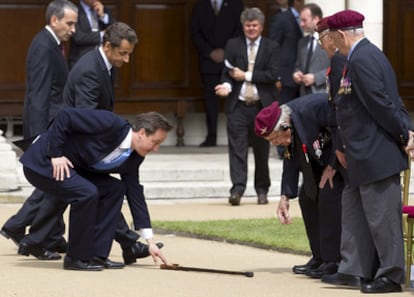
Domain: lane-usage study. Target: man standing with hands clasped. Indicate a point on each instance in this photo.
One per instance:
(373, 128)
(213, 23)
(248, 82)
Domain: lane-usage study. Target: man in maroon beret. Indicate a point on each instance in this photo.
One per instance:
(303, 126)
(373, 127)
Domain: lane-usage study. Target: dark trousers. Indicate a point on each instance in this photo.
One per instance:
(52, 230)
(24, 217)
(322, 219)
(212, 104)
(240, 133)
(95, 205)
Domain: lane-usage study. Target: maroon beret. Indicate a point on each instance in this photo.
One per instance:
(322, 25)
(266, 119)
(345, 20)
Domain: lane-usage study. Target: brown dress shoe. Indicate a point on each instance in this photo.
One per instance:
(262, 199)
(234, 199)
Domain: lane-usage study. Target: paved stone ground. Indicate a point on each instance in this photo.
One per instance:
(27, 277)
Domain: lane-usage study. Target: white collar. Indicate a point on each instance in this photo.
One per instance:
(107, 63)
(48, 28)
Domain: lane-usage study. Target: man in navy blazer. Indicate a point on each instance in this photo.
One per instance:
(87, 37)
(90, 85)
(46, 73)
(64, 161)
(373, 128)
(248, 86)
(210, 31)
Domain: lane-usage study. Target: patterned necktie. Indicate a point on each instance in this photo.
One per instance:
(249, 92)
(114, 162)
(62, 49)
(94, 21)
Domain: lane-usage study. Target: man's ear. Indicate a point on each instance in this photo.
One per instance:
(53, 21)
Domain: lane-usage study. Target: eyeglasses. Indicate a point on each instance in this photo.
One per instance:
(284, 127)
(322, 37)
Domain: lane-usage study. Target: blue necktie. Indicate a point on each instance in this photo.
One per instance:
(114, 163)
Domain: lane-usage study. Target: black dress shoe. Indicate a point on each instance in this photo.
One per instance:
(380, 285)
(325, 268)
(73, 264)
(208, 143)
(302, 269)
(234, 199)
(59, 247)
(16, 237)
(262, 199)
(341, 279)
(108, 264)
(39, 252)
(136, 251)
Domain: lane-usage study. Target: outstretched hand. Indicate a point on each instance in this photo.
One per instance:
(156, 253)
(283, 211)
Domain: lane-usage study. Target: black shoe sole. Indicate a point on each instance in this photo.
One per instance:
(81, 269)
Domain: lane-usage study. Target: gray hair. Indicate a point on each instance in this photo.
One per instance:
(355, 32)
(285, 113)
(117, 32)
(151, 122)
(57, 8)
(252, 14)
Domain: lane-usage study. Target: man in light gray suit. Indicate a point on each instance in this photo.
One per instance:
(311, 62)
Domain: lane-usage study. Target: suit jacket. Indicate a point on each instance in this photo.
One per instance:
(85, 137)
(84, 39)
(210, 31)
(318, 65)
(334, 75)
(310, 120)
(265, 71)
(89, 84)
(46, 72)
(285, 30)
(371, 117)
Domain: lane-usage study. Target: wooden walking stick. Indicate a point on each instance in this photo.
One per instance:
(198, 269)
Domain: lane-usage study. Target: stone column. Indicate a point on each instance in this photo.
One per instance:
(371, 9)
(330, 7)
(8, 166)
(373, 23)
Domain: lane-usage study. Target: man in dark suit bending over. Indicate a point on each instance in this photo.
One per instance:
(73, 161)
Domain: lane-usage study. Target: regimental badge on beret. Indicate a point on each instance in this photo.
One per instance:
(266, 119)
